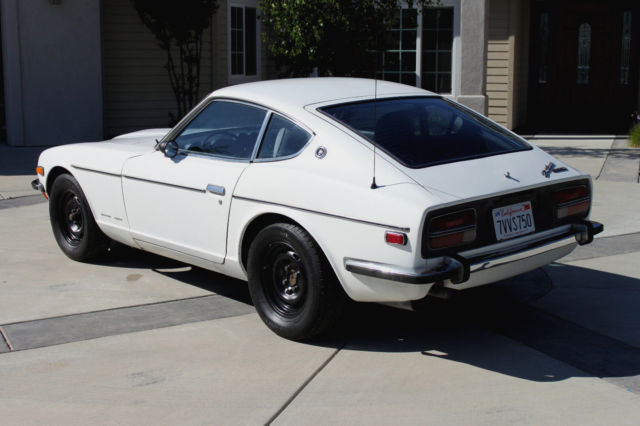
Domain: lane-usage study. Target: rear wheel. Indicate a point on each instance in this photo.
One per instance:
(291, 283)
(74, 227)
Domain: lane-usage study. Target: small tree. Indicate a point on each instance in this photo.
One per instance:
(178, 26)
(338, 37)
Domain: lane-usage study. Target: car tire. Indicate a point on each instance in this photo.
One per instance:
(74, 227)
(291, 283)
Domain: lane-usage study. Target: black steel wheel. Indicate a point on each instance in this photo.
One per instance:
(284, 274)
(74, 227)
(291, 283)
(70, 210)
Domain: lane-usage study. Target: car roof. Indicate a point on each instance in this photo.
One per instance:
(293, 94)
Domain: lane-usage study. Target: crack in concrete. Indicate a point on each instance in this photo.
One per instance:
(304, 385)
(605, 160)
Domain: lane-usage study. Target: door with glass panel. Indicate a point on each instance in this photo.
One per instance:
(179, 206)
(583, 73)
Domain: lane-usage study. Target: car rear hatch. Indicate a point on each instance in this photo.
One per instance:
(482, 177)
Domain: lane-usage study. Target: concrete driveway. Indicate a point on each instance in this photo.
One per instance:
(145, 340)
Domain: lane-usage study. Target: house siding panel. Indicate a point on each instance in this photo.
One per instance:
(499, 62)
(507, 64)
(137, 91)
(497, 79)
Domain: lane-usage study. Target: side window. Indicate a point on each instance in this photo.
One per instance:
(282, 139)
(224, 129)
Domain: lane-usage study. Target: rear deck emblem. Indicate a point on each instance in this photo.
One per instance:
(551, 168)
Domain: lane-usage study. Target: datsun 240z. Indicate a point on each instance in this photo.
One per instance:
(319, 190)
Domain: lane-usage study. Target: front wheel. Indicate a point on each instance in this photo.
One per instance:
(74, 227)
(291, 283)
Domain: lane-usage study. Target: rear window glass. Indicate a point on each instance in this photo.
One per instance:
(421, 132)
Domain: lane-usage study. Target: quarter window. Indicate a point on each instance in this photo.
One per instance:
(282, 139)
(224, 129)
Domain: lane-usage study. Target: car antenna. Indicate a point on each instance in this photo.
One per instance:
(375, 118)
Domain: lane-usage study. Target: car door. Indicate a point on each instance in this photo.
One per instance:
(179, 207)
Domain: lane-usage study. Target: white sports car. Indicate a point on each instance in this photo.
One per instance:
(315, 190)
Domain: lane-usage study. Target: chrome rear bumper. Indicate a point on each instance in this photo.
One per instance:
(459, 268)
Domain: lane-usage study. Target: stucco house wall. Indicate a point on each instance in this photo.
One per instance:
(473, 41)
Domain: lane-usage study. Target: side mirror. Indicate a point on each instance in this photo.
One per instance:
(169, 148)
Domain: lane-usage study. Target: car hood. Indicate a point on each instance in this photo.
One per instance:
(148, 134)
(490, 175)
(107, 156)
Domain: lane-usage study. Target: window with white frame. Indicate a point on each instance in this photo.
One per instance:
(243, 49)
(418, 49)
(398, 61)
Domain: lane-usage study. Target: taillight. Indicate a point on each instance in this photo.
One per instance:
(452, 229)
(572, 201)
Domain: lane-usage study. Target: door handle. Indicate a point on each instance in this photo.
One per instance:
(215, 189)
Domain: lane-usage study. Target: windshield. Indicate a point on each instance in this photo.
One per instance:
(421, 132)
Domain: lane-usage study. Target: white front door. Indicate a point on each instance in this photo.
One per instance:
(181, 204)
(179, 207)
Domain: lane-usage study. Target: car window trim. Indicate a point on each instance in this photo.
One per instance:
(197, 154)
(187, 119)
(263, 130)
(282, 157)
(476, 116)
(181, 126)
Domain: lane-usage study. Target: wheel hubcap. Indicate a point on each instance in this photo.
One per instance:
(72, 218)
(288, 274)
(283, 271)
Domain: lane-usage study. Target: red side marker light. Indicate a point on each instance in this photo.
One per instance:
(397, 238)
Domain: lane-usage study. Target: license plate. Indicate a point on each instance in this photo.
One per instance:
(513, 221)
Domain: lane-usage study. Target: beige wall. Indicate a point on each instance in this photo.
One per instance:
(507, 61)
(499, 62)
(137, 91)
(219, 55)
(520, 19)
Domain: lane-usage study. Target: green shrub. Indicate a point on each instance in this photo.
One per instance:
(634, 136)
